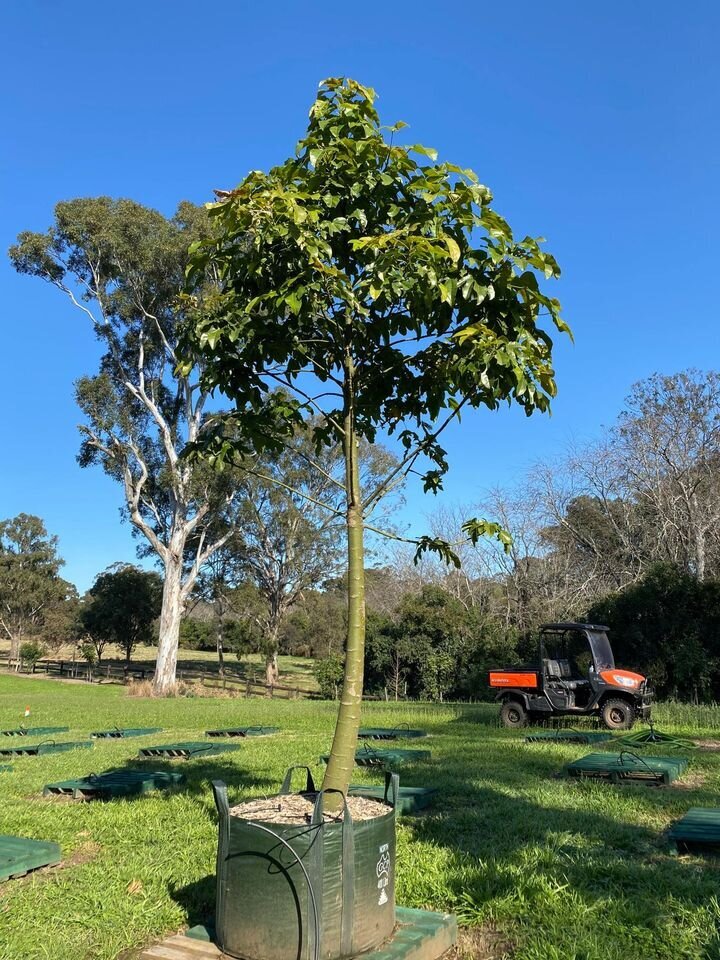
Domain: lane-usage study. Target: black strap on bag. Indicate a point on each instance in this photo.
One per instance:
(223, 850)
(392, 786)
(309, 782)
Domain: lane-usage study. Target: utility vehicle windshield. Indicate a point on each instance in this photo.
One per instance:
(601, 650)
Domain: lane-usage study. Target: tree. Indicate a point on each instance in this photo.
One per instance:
(380, 292)
(124, 603)
(30, 585)
(288, 515)
(667, 445)
(667, 626)
(122, 265)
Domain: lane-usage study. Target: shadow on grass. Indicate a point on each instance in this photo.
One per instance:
(568, 852)
(197, 899)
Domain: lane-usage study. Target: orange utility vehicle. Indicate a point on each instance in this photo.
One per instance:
(575, 676)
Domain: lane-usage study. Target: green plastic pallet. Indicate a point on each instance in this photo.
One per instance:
(122, 733)
(385, 758)
(185, 751)
(390, 733)
(19, 856)
(628, 767)
(114, 783)
(35, 731)
(410, 799)
(39, 749)
(418, 935)
(698, 829)
(568, 736)
(242, 732)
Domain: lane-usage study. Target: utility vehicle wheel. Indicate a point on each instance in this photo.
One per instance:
(618, 715)
(513, 714)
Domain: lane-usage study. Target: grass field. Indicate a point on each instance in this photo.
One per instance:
(535, 866)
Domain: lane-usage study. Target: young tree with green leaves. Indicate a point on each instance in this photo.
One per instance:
(122, 265)
(384, 296)
(30, 584)
(121, 608)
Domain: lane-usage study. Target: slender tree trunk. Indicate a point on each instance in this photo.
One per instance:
(14, 659)
(342, 755)
(219, 645)
(272, 668)
(170, 616)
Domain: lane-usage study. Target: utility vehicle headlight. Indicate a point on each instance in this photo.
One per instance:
(624, 681)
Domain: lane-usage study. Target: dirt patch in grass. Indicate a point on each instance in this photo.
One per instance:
(86, 852)
(713, 745)
(690, 781)
(480, 943)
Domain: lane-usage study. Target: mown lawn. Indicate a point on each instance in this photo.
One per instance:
(560, 870)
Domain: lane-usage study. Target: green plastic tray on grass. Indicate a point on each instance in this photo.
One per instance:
(410, 799)
(390, 733)
(19, 856)
(242, 732)
(627, 767)
(39, 749)
(568, 736)
(385, 758)
(123, 733)
(114, 783)
(35, 731)
(185, 751)
(698, 829)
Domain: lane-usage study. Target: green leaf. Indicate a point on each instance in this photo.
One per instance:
(453, 248)
(425, 151)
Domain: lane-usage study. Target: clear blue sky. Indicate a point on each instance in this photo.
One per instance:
(596, 126)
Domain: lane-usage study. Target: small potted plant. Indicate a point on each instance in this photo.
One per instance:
(365, 289)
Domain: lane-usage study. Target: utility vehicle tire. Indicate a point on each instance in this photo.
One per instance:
(513, 714)
(618, 715)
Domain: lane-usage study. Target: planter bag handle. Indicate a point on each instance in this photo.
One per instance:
(287, 782)
(348, 867)
(392, 787)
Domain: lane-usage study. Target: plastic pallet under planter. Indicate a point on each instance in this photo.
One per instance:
(419, 935)
(186, 751)
(410, 799)
(123, 733)
(19, 855)
(390, 733)
(115, 783)
(628, 768)
(567, 736)
(242, 732)
(34, 731)
(39, 749)
(385, 758)
(698, 830)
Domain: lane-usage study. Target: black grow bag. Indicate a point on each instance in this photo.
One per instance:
(319, 891)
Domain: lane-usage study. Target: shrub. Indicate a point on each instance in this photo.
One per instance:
(329, 675)
(30, 652)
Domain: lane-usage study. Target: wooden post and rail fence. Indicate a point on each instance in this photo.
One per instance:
(121, 673)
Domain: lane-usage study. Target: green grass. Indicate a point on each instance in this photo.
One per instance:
(563, 870)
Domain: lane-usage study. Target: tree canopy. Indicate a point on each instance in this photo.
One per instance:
(383, 294)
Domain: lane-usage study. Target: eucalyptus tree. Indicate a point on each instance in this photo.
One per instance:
(384, 295)
(31, 587)
(122, 266)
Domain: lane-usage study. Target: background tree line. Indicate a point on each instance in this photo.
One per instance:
(624, 531)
